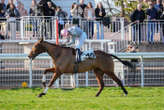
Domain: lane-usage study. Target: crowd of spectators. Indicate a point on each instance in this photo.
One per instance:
(79, 11)
(153, 13)
(15, 8)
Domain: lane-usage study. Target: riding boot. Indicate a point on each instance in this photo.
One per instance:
(78, 57)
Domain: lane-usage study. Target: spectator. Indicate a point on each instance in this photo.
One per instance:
(82, 6)
(51, 12)
(2, 8)
(61, 17)
(2, 15)
(11, 15)
(9, 2)
(151, 12)
(162, 23)
(42, 8)
(12, 11)
(53, 5)
(18, 5)
(152, 15)
(76, 12)
(51, 9)
(90, 15)
(153, 2)
(33, 20)
(100, 11)
(60, 13)
(89, 12)
(22, 10)
(33, 9)
(159, 7)
(137, 17)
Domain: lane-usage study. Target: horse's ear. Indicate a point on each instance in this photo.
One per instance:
(41, 40)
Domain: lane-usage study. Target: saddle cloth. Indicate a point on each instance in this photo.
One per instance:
(89, 54)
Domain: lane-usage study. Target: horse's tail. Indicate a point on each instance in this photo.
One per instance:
(127, 63)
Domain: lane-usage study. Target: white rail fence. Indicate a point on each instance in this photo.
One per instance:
(16, 68)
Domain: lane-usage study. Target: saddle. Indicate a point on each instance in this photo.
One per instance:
(82, 56)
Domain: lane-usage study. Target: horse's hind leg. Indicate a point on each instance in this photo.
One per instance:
(118, 81)
(44, 75)
(99, 76)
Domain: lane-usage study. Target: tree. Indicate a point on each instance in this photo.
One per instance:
(127, 7)
(121, 4)
(110, 9)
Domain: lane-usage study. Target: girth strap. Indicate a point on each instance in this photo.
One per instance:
(76, 67)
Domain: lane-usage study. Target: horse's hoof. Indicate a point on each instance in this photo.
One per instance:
(97, 95)
(126, 93)
(41, 94)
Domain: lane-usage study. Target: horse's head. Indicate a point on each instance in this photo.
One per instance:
(37, 49)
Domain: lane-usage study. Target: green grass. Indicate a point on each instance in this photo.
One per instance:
(112, 98)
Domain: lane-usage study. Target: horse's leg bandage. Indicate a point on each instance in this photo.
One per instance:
(45, 90)
(44, 78)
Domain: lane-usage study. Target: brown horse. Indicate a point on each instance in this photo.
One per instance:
(64, 62)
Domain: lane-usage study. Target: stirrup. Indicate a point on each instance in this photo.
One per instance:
(78, 57)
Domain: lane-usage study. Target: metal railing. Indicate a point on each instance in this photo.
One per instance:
(49, 27)
(147, 31)
(16, 68)
(28, 28)
(33, 28)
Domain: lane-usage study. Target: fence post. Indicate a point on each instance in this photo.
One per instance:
(62, 80)
(142, 71)
(77, 80)
(30, 74)
(21, 28)
(57, 32)
(12, 24)
(86, 79)
(72, 81)
(102, 44)
(122, 28)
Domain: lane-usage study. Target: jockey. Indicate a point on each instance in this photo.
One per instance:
(75, 36)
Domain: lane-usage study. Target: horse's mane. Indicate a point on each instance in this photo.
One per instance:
(62, 47)
(59, 46)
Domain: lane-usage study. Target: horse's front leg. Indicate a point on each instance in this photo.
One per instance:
(44, 75)
(54, 77)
